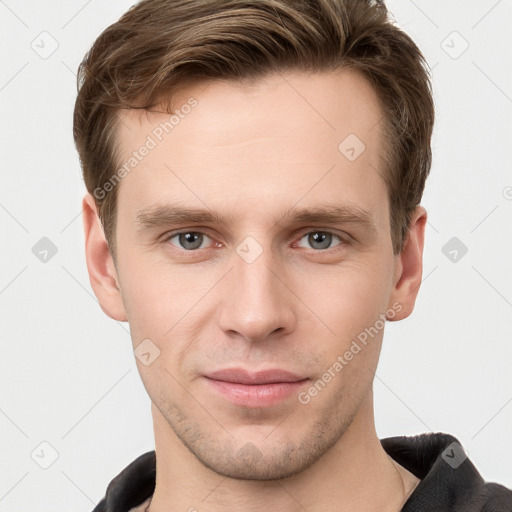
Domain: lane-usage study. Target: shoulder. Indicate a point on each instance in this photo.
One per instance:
(131, 487)
(449, 480)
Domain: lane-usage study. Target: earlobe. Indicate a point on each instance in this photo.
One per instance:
(409, 266)
(100, 264)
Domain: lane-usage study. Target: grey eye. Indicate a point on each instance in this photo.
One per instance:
(188, 240)
(319, 239)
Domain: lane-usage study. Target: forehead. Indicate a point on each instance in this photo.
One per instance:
(286, 138)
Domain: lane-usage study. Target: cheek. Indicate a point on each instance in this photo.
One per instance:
(167, 306)
(144, 308)
(349, 357)
(348, 298)
(337, 393)
(155, 295)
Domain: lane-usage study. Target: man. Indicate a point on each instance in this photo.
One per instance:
(254, 172)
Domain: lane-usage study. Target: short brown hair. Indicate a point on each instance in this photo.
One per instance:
(159, 45)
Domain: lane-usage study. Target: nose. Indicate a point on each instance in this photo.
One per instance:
(257, 299)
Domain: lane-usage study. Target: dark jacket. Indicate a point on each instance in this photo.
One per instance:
(449, 481)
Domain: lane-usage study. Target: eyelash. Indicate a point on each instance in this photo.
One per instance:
(344, 241)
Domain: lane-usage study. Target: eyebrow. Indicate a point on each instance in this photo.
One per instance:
(166, 215)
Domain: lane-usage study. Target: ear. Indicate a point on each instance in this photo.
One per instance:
(100, 264)
(409, 266)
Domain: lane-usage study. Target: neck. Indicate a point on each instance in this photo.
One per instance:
(355, 474)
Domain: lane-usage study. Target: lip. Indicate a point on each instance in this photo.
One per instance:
(242, 376)
(255, 389)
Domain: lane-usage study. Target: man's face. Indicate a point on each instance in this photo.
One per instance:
(264, 287)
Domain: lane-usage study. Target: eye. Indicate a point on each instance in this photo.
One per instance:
(320, 240)
(188, 240)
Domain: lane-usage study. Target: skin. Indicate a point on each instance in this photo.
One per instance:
(253, 152)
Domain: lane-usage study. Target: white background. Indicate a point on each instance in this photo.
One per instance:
(67, 372)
